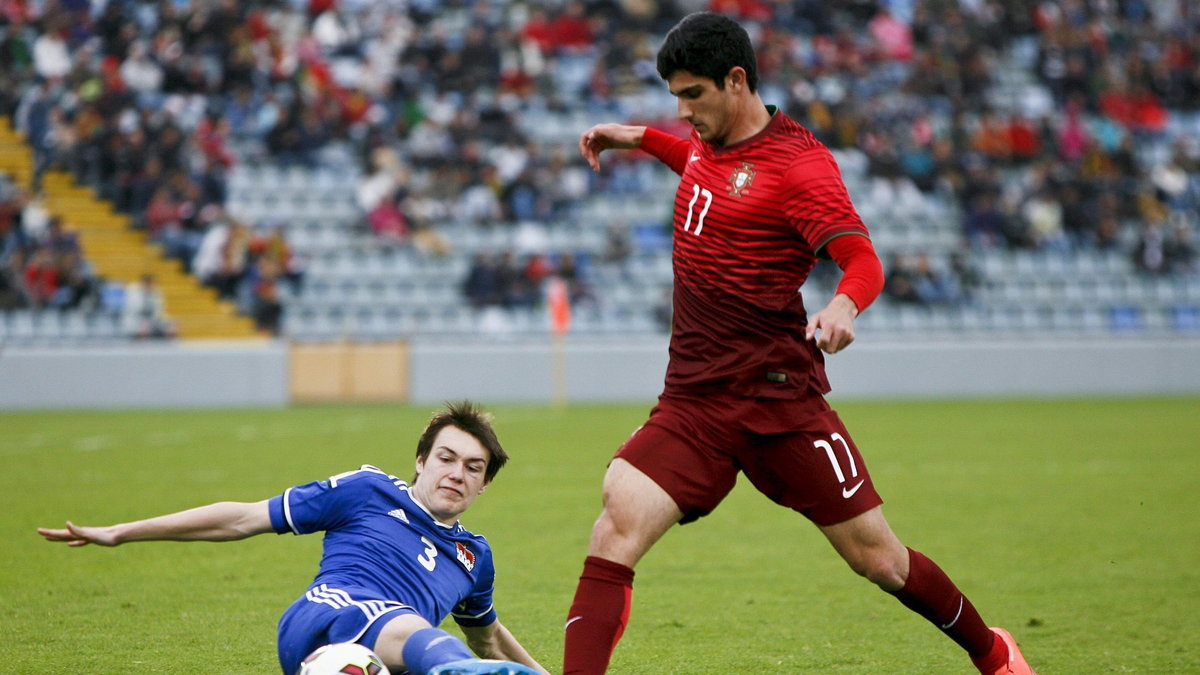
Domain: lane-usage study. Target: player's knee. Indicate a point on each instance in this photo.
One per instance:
(889, 578)
(616, 539)
(878, 568)
(610, 528)
(619, 519)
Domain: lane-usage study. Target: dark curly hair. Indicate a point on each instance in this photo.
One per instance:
(709, 45)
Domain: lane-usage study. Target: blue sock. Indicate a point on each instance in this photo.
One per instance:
(431, 647)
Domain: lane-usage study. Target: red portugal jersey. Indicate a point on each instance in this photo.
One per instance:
(749, 221)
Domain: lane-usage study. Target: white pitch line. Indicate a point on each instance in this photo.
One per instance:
(92, 443)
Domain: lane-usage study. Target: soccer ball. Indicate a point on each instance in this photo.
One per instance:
(342, 657)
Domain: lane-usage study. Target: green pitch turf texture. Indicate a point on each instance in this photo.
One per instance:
(1073, 523)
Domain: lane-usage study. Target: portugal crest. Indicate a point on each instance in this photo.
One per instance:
(465, 556)
(741, 178)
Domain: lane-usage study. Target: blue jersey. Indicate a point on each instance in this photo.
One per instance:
(382, 547)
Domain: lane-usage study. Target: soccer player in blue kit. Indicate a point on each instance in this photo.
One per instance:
(396, 560)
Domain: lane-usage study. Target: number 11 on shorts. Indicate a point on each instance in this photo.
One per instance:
(847, 491)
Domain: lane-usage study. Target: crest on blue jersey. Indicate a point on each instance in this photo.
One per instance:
(465, 556)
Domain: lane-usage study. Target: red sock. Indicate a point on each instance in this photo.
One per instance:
(597, 617)
(930, 593)
(991, 661)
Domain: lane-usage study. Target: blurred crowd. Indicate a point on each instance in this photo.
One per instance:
(510, 282)
(42, 264)
(1054, 126)
(43, 267)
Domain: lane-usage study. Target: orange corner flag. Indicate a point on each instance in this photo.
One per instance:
(559, 305)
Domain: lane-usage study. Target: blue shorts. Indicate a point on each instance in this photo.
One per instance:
(325, 614)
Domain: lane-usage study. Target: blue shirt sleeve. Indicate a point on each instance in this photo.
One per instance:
(320, 505)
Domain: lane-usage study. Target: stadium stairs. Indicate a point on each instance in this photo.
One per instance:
(119, 253)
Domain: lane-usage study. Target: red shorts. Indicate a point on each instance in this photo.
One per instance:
(796, 452)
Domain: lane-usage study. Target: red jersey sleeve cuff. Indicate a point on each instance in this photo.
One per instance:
(668, 149)
(656, 142)
(862, 273)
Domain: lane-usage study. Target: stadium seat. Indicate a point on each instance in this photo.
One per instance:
(1125, 318)
(1093, 320)
(22, 326)
(102, 327)
(1065, 318)
(74, 326)
(1185, 318)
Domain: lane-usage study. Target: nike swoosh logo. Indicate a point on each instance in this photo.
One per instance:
(694, 158)
(847, 493)
(956, 615)
(571, 621)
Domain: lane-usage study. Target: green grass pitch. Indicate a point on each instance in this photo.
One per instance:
(1074, 523)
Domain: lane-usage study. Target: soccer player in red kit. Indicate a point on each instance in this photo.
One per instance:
(759, 200)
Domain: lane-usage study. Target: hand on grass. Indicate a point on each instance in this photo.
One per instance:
(77, 535)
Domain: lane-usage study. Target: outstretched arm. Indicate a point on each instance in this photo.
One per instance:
(494, 641)
(668, 149)
(222, 521)
(608, 137)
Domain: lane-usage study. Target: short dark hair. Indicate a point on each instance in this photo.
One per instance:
(707, 44)
(472, 419)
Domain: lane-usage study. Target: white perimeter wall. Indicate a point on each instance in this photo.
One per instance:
(625, 370)
(615, 369)
(145, 375)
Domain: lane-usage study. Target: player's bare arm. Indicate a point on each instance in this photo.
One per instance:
(494, 641)
(835, 323)
(608, 137)
(222, 521)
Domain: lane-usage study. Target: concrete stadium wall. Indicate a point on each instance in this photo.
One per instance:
(621, 370)
(273, 374)
(1050, 368)
(145, 375)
